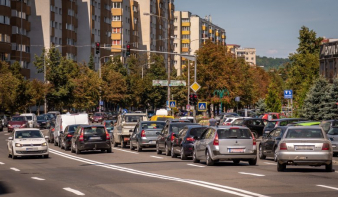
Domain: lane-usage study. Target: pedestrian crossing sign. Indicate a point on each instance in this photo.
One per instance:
(202, 106)
(172, 104)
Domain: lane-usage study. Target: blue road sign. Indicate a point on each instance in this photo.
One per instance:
(288, 94)
(172, 104)
(101, 102)
(202, 106)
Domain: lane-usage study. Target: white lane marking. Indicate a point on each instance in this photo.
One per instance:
(195, 165)
(221, 188)
(2, 163)
(124, 150)
(37, 178)
(251, 174)
(74, 191)
(270, 163)
(157, 157)
(15, 169)
(7, 134)
(334, 188)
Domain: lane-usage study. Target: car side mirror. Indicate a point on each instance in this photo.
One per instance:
(10, 138)
(278, 138)
(46, 137)
(130, 131)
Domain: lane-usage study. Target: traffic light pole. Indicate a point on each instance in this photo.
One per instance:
(188, 86)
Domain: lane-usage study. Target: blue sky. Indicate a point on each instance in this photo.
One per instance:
(270, 26)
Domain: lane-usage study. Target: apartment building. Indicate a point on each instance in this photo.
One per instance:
(191, 32)
(14, 27)
(248, 54)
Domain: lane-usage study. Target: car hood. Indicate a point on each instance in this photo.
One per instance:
(16, 122)
(30, 140)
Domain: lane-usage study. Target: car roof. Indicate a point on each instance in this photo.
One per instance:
(190, 126)
(27, 114)
(228, 127)
(305, 127)
(88, 126)
(152, 121)
(286, 119)
(27, 129)
(129, 114)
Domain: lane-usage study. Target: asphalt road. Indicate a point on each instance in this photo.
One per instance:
(129, 173)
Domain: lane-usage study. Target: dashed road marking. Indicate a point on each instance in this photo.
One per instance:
(74, 191)
(2, 163)
(37, 178)
(15, 169)
(251, 174)
(124, 150)
(195, 165)
(157, 157)
(334, 188)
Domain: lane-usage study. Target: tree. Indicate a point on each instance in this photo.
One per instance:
(273, 100)
(36, 91)
(91, 63)
(329, 108)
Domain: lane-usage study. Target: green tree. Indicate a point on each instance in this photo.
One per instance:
(329, 109)
(273, 100)
(91, 63)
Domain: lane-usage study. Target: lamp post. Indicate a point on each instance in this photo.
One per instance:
(100, 78)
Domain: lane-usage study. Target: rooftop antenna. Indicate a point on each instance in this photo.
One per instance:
(210, 18)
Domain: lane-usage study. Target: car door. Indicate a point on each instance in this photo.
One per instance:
(179, 140)
(136, 136)
(269, 142)
(64, 134)
(161, 138)
(75, 136)
(197, 144)
(10, 142)
(203, 142)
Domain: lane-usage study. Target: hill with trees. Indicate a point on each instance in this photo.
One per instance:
(270, 62)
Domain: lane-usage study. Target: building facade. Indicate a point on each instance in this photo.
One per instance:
(328, 59)
(191, 32)
(248, 54)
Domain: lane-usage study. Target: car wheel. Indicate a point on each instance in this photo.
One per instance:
(55, 143)
(158, 151)
(103, 150)
(173, 155)
(335, 154)
(275, 155)
(77, 151)
(13, 156)
(209, 161)
(138, 147)
(167, 151)
(236, 161)
(328, 168)
(46, 156)
(114, 143)
(261, 154)
(109, 150)
(61, 144)
(123, 143)
(131, 146)
(194, 158)
(253, 162)
(183, 156)
(281, 167)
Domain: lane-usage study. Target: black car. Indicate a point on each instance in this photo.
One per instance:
(279, 122)
(66, 136)
(90, 137)
(50, 117)
(183, 143)
(328, 124)
(269, 144)
(43, 122)
(166, 136)
(256, 125)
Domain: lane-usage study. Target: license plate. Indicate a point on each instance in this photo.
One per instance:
(152, 142)
(96, 119)
(334, 146)
(31, 149)
(95, 138)
(236, 150)
(16, 126)
(304, 147)
(267, 131)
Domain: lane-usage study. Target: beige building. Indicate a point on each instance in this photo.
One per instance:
(249, 55)
(191, 32)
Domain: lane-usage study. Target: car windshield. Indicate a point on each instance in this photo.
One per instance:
(304, 133)
(234, 133)
(333, 131)
(238, 122)
(97, 114)
(229, 120)
(152, 125)
(196, 132)
(177, 127)
(19, 118)
(164, 118)
(29, 117)
(134, 118)
(94, 130)
(28, 134)
(271, 124)
(41, 117)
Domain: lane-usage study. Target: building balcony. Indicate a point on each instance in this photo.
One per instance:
(116, 24)
(185, 49)
(185, 32)
(185, 24)
(116, 11)
(203, 27)
(185, 41)
(116, 36)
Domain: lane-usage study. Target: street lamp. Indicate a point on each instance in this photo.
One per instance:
(100, 78)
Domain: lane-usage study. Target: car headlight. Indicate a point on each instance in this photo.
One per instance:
(23, 125)
(18, 145)
(44, 144)
(9, 125)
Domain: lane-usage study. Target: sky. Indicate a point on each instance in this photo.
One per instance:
(270, 26)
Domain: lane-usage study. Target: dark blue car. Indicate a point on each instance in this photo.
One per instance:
(269, 144)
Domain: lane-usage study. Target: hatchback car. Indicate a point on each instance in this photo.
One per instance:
(90, 138)
(17, 122)
(27, 142)
(67, 135)
(144, 134)
(43, 122)
(306, 145)
(99, 117)
(183, 143)
(269, 144)
(225, 143)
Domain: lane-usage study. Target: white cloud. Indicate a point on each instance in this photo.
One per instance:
(271, 51)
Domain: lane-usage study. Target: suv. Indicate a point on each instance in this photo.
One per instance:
(89, 137)
(256, 125)
(166, 136)
(225, 143)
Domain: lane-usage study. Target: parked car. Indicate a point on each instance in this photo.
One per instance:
(332, 134)
(66, 136)
(32, 120)
(144, 134)
(256, 125)
(90, 137)
(304, 123)
(99, 117)
(43, 122)
(225, 143)
(183, 143)
(166, 136)
(328, 124)
(306, 145)
(27, 142)
(273, 115)
(279, 122)
(17, 122)
(269, 144)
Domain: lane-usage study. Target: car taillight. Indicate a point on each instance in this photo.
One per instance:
(216, 141)
(53, 129)
(107, 135)
(172, 137)
(326, 146)
(228, 124)
(143, 133)
(190, 139)
(69, 135)
(253, 139)
(283, 146)
(81, 136)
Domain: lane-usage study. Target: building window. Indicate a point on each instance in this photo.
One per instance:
(185, 28)
(117, 30)
(185, 20)
(4, 20)
(117, 18)
(185, 45)
(116, 4)
(5, 3)
(70, 12)
(116, 42)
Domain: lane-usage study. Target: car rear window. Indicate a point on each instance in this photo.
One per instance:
(304, 133)
(196, 132)
(164, 118)
(229, 120)
(271, 124)
(238, 122)
(97, 114)
(234, 134)
(72, 128)
(333, 131)
(28, 134)
(133, 118)
(325, 126)
(152, 125)
(41, 117)
(177, 127)
(94, 130)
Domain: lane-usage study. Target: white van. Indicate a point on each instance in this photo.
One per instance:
(32, 120)
(62, 121)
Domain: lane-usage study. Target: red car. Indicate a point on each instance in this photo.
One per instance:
(274, 115)
(17, 122)
(99, 117)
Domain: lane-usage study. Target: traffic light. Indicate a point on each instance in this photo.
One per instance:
(97, 48)
(191, 97)
(195, 99)
(128, 50)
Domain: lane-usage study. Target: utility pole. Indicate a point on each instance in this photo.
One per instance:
(44, 80)
(188, 86)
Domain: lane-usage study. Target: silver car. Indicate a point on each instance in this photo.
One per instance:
(304, 146)
(332, 134)
(225, 143)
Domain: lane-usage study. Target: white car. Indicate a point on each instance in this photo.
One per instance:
(228, 121)
(27, 142)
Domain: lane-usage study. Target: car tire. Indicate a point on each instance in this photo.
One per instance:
(158, 151)
(261, 154)
(61, 144)
(77, 151)
(167, 151)
(281, 167)
(131, 146)
(275, 155)
(209, 160)
(194, 158)
(138, 147)
(114, 143)
(123, 144)
(183, 156)
(109, 150)
(328, 168)
(253, 162)
(103, 150)
(46, 156)
(173, 155)
(236, 161)
(335, 154)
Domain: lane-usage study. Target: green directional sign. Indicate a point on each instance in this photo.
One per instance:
(172, 83)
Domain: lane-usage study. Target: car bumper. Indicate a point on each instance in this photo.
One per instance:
(188, 149)
(148, 142)
(26, 151)
(304, 158)
(216, 155)
(94, 145)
